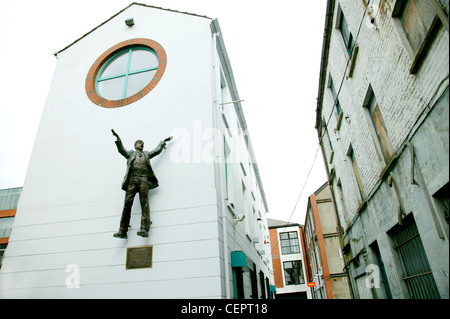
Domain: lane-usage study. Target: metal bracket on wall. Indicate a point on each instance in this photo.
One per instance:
(411, 149)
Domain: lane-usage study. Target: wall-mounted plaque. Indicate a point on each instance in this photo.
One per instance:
(139, 257)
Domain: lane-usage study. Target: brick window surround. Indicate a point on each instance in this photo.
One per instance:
(102, 59)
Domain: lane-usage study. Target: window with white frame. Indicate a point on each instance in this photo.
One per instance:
(293, 272)
(289, 243)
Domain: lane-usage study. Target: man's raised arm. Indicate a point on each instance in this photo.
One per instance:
(160, 147)
(119, 145)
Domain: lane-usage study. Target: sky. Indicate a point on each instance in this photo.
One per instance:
(280, 94)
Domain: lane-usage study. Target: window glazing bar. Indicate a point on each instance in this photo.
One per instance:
(127, 74)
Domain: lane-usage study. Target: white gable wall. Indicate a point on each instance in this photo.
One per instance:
(72, 201)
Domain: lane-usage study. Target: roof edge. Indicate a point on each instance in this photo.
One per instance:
(275, 223)
(321, 188)
(324, 58)
(115, 15)
(226, 65)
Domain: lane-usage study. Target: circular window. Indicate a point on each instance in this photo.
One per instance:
(125, 73)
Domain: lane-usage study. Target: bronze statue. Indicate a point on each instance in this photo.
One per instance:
(139, 177)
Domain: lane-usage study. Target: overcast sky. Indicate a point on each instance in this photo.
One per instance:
(280, 93)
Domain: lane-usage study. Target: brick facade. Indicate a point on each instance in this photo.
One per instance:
(373, 193)
(276, 261)
(283, 259)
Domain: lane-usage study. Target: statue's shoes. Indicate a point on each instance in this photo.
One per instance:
(120, 235)
(143, 233)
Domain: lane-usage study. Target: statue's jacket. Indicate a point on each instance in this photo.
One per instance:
(131, 155)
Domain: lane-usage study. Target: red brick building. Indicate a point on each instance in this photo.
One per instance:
(288, 260)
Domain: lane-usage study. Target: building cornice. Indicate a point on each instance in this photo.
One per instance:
(324, 58)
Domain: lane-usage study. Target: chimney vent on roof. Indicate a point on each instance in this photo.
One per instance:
(129, 22)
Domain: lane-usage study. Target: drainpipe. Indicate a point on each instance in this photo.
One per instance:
(220, 157)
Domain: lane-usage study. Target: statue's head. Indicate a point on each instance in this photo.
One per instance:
(139, 145)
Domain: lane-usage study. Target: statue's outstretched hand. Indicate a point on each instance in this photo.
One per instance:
(115, 134)
(165, 141)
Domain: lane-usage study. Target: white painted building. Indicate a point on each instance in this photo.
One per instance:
(383, 123)
(163, 73)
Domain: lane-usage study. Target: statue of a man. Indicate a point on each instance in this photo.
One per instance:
(140, 178)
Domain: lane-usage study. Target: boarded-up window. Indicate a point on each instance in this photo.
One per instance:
(416, 17)
(380, 127)
(417, 22)
(357, 175)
